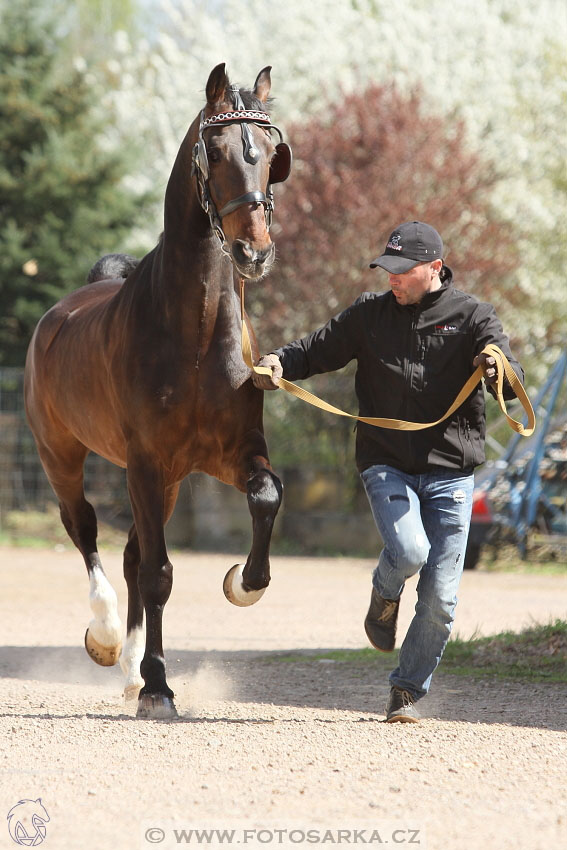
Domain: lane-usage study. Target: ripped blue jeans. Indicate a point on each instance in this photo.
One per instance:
(424, 524)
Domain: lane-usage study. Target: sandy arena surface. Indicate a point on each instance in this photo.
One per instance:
(286, 753)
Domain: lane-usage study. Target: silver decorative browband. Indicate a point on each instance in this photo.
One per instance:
(236, 115)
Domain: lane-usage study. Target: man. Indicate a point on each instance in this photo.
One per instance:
(416, 345)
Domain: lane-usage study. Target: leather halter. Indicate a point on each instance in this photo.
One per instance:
(200, 164)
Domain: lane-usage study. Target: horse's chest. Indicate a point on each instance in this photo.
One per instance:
(225, 368)
(213, 385)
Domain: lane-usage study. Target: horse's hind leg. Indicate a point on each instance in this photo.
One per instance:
(65, 472)
(244, 584)
(133, 649)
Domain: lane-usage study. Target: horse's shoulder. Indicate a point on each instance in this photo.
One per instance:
(74, 304)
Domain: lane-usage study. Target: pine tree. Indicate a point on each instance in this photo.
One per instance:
(62, 198)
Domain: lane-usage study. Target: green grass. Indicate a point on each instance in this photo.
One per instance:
(44, 530)
(529, 566)
(541, 559)
(537, 654)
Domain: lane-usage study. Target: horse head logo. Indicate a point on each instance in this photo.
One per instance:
(26, 822)
(395, 242)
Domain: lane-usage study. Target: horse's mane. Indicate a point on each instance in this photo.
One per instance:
(250, 100)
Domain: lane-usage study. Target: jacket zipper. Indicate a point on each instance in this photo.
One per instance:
(469, 442)
(465, 440)
(409, 377)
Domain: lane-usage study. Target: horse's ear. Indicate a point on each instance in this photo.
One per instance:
(217, 84)
(263, 84)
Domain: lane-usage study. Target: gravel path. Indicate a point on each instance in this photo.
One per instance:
(294, 749)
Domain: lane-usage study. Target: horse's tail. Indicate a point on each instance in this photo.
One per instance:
(112, 266)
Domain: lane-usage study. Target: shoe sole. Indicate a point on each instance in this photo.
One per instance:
(379, 648)
(401, 718)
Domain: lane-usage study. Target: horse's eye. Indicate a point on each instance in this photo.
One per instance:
(214, 155)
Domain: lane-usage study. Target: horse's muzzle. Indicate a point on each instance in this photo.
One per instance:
(251, 263)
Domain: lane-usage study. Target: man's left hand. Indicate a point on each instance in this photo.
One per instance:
(488, 365)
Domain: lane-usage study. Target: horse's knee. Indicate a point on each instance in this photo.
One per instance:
(131, 560)
(264, 491)
(155, 585)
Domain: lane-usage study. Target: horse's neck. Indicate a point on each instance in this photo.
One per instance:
(184, 289)
(192, 280)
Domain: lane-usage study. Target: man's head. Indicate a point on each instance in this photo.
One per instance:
(411, 243)
(413, 259)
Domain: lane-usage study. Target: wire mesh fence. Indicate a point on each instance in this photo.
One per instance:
(23, 483)
(324, 509)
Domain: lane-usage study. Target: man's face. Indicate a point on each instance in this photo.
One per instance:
(409, 288)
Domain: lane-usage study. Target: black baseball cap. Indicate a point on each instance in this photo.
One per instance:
(409, 244)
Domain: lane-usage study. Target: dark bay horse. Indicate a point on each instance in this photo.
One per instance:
(148, 373)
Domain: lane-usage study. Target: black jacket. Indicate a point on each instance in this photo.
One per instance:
(412, 362)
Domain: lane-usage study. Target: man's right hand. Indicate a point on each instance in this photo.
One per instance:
(272, 381)
(488, 365)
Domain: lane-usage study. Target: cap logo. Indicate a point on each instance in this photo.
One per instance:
(395, 243)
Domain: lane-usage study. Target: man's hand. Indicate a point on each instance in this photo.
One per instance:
(268, 382)
(488, 365)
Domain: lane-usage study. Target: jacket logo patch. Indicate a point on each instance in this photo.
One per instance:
(446, 329)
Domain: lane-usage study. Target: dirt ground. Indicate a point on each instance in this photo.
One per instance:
(284, 752)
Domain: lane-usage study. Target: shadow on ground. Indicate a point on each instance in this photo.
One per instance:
(299, 678)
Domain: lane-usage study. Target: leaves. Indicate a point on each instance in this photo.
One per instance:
(375, 160)
(64, 202)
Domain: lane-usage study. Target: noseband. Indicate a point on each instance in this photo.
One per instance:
(279, 167)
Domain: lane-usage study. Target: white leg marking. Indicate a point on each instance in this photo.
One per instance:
(132, 654)
(106, 627)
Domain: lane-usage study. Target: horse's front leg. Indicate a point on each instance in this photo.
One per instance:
(155, 575)
(244, 584)
(133, 649)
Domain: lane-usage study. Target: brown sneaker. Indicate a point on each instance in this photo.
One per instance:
(401, 707)
(381, 621)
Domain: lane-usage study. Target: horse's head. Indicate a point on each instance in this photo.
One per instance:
(235, 162)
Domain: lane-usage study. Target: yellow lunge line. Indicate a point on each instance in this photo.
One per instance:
(503, 368)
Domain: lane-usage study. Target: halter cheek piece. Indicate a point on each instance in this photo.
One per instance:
(280, 166)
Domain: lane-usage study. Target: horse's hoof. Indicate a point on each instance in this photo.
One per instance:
(156, 707)
(106, 656)
(132, 692)
(234, 590)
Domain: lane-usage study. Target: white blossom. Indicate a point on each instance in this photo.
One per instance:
(498, 64)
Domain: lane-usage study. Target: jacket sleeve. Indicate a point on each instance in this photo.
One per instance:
(488, 329)
(328, 348)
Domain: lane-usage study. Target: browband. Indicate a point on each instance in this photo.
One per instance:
(237, 115)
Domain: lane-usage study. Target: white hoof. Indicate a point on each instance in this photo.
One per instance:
(234, 590)
(106, 656)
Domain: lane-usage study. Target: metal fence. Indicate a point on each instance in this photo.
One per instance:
(324, 509)
(23, 483)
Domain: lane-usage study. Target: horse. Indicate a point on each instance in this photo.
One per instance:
(143, 366)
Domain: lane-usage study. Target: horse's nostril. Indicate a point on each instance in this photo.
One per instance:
(245, 254)
(243, 251)
(264, 255)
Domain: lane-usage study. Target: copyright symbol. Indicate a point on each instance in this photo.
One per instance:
(155, 835)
